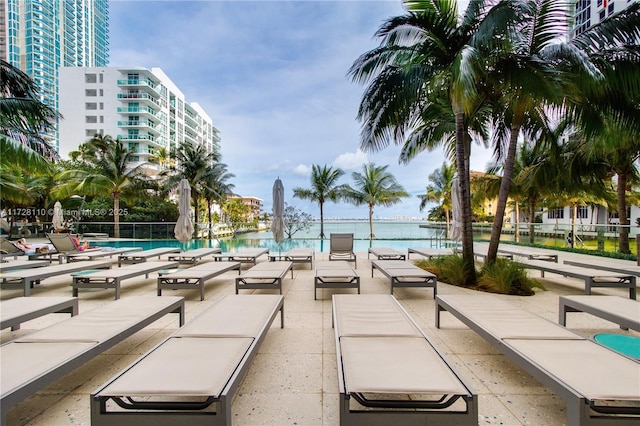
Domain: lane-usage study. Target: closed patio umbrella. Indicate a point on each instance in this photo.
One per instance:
(184, 228)
(277, 223)
(58, 219)
(455, 233)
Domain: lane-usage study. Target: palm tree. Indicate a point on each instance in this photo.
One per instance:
(216, 189)
(440, 190)
(324, 186)
(374, 186)
(105, 168)
(427, 61)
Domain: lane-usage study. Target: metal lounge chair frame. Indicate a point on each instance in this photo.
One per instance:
(565, 362)
(59, 349)
(112, 278)
(374, 335)
(607, 265)
(193, 256)
(592, 277)
(335, 275)
(9, 249)
(250, 255)
(296, 255)
(514, 250)
(264, 275)
(621, 311)
(341, 248)
(233, 320)
(144, 255)
(385, 253)
(402, 273)
(14, 312)
(97, 254)
(22, 264)
(429, 253)
(194, 278)
(26, 278)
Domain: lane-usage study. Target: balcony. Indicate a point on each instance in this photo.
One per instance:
(147, 84)
(144, 97)
(142, 124)
(127, 138)
(138, 110)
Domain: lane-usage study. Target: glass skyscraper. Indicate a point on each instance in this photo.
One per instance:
(40, 36)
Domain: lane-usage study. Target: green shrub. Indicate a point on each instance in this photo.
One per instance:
(448, 269)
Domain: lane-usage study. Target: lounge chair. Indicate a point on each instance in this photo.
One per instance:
(527, 253)
(385, 253)
(599, 385)
(100, 253)
(66, 248)
(625, 312)
(195, 277)
(389, 373)
(38, 359)
(22, 264)
(619, 266)
(193, 375)
(341, 248)
(64, 244)
(402, 273)
(14, 312)
(592, 277)
(193, 256)
(429, 253)
(249, 255)
(264, 275)
(335, 275)
(26, 278)
(296, 255)
(9, 249)
(144, 255)
(112, 278)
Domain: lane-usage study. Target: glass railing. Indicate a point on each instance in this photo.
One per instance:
(137, 110)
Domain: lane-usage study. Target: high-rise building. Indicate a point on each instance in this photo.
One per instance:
(587, 13)
(141, 107)
(41, 36)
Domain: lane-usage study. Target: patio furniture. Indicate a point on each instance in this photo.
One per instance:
(335, 275)
(195, 277)
(98, 254)
(22, 264)
(389, 373)
(26, 278)
(295, 255)
(625, 312)
(264, 275)
(429, 253)
(249, 255)
(402, 273)
(14, 312)
(193, 375)
(36, 360)
(385, 253)
(9, 249)
(144, 255)
(112, 278)
(611, 265)
(599, 386)
(527, 253)
(193, 256)
(592, 277)
(341, 248)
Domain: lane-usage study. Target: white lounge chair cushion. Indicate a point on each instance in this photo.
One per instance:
(627, 308)
(490, 312)
(239, 316)
(19, 306)
(197, 367)
(594, 371)
(374, 315)
(24, 362)
(399, 365)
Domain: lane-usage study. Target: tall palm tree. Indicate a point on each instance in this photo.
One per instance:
(105, 168)
(217, 188)
(374, 186)
(428, 58)
(324, 187)
(440, 190)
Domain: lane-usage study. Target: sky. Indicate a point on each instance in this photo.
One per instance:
(272, 76)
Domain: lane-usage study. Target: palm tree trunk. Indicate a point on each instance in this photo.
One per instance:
(503, 195)
(469, 268)
(321, 220)
(448, 219)
(371, 234)
(116, 215)
(532, 218)
(622, 214)
(194, 197)
(517, 222)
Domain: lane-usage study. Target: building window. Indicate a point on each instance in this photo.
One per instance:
(101, 92)
(556, 214)
(583, 212)
(603, 14)
(90, 133)
(91, 119)
(101, 78)
(610, 8)
(102, 119)
(90, 78)
(90, 106)
(90, 92)
(101, 105)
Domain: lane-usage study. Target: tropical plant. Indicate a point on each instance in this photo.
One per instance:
(440, 190)
(236, 213)
(507, 277)
(324, 187)
(216, 188)
(105, 166)
(296, 220)
(374, 186)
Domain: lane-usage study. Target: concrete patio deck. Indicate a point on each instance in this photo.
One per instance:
(293, 379)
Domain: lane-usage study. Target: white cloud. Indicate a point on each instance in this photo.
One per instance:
(302, 170)
(350, 160)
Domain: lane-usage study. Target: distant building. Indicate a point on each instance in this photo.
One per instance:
(138, 106)
(41, 36)
(587, 13)
(254, 204)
